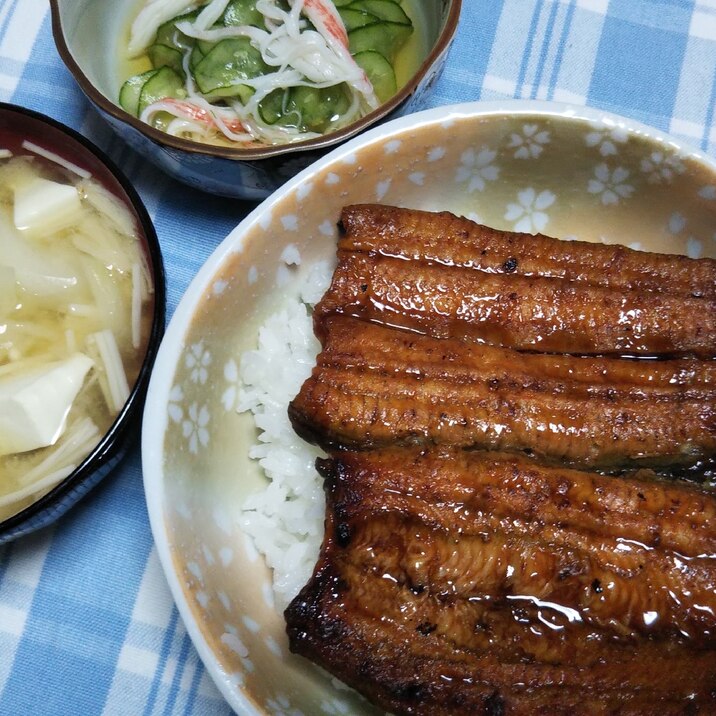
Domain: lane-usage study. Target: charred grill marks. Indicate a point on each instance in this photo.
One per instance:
(447, 276)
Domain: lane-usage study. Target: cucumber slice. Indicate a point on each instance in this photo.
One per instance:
(165, 82)
(130, 91)
(319, 108)
(243, 92)
(353, 18)
(195, 58)
(220, 72)
(382, 9)
(380, 73)
(163, 56)
(168, 35)
(384, 37)
(307, 108)
(277, 108)
(243, 12)
(206, 46)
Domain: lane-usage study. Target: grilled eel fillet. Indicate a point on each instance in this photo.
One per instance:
(464, 582)
(447, 276)
(374, 386)
(517, 311)
(449, 240)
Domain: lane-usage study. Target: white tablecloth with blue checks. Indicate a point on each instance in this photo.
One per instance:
(87, 624)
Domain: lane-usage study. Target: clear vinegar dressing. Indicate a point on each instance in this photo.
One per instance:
(75, 308)
(411, 56)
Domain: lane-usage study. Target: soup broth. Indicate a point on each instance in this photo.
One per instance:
(76, 303)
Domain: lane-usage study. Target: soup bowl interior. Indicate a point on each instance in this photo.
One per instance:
(92, 36)
(18, 125)
(503, 165)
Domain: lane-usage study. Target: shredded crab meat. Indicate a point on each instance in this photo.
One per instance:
(190, 29)
(328, 22)
(210, 14)
(198, 114)
(325, 15)
(301, 55)
(155, 13)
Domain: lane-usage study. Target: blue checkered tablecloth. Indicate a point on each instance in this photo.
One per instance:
(87, 624)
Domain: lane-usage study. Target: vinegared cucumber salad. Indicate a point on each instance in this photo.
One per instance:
(266, 72)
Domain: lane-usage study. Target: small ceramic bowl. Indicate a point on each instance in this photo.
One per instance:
(17, 125)
(502, 164)
(88, 35)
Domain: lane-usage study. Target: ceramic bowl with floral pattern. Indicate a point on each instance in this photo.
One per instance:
(525, 166)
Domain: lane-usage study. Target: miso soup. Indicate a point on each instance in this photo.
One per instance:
(76, 305)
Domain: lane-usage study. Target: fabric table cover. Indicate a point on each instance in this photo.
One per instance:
(87, 623)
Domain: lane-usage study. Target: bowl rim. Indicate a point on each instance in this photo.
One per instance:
(155, 414)
(441, 45)
(113, 442)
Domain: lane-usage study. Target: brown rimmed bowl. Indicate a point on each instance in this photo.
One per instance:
(88, 35)
(17, 122)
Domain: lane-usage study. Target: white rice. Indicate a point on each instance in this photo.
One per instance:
(285, 519)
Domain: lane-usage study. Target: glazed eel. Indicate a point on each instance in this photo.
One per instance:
(459, 576)
(467, 582)
(524, 312)
(447, 276)
(449, 240)
(374, 386)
